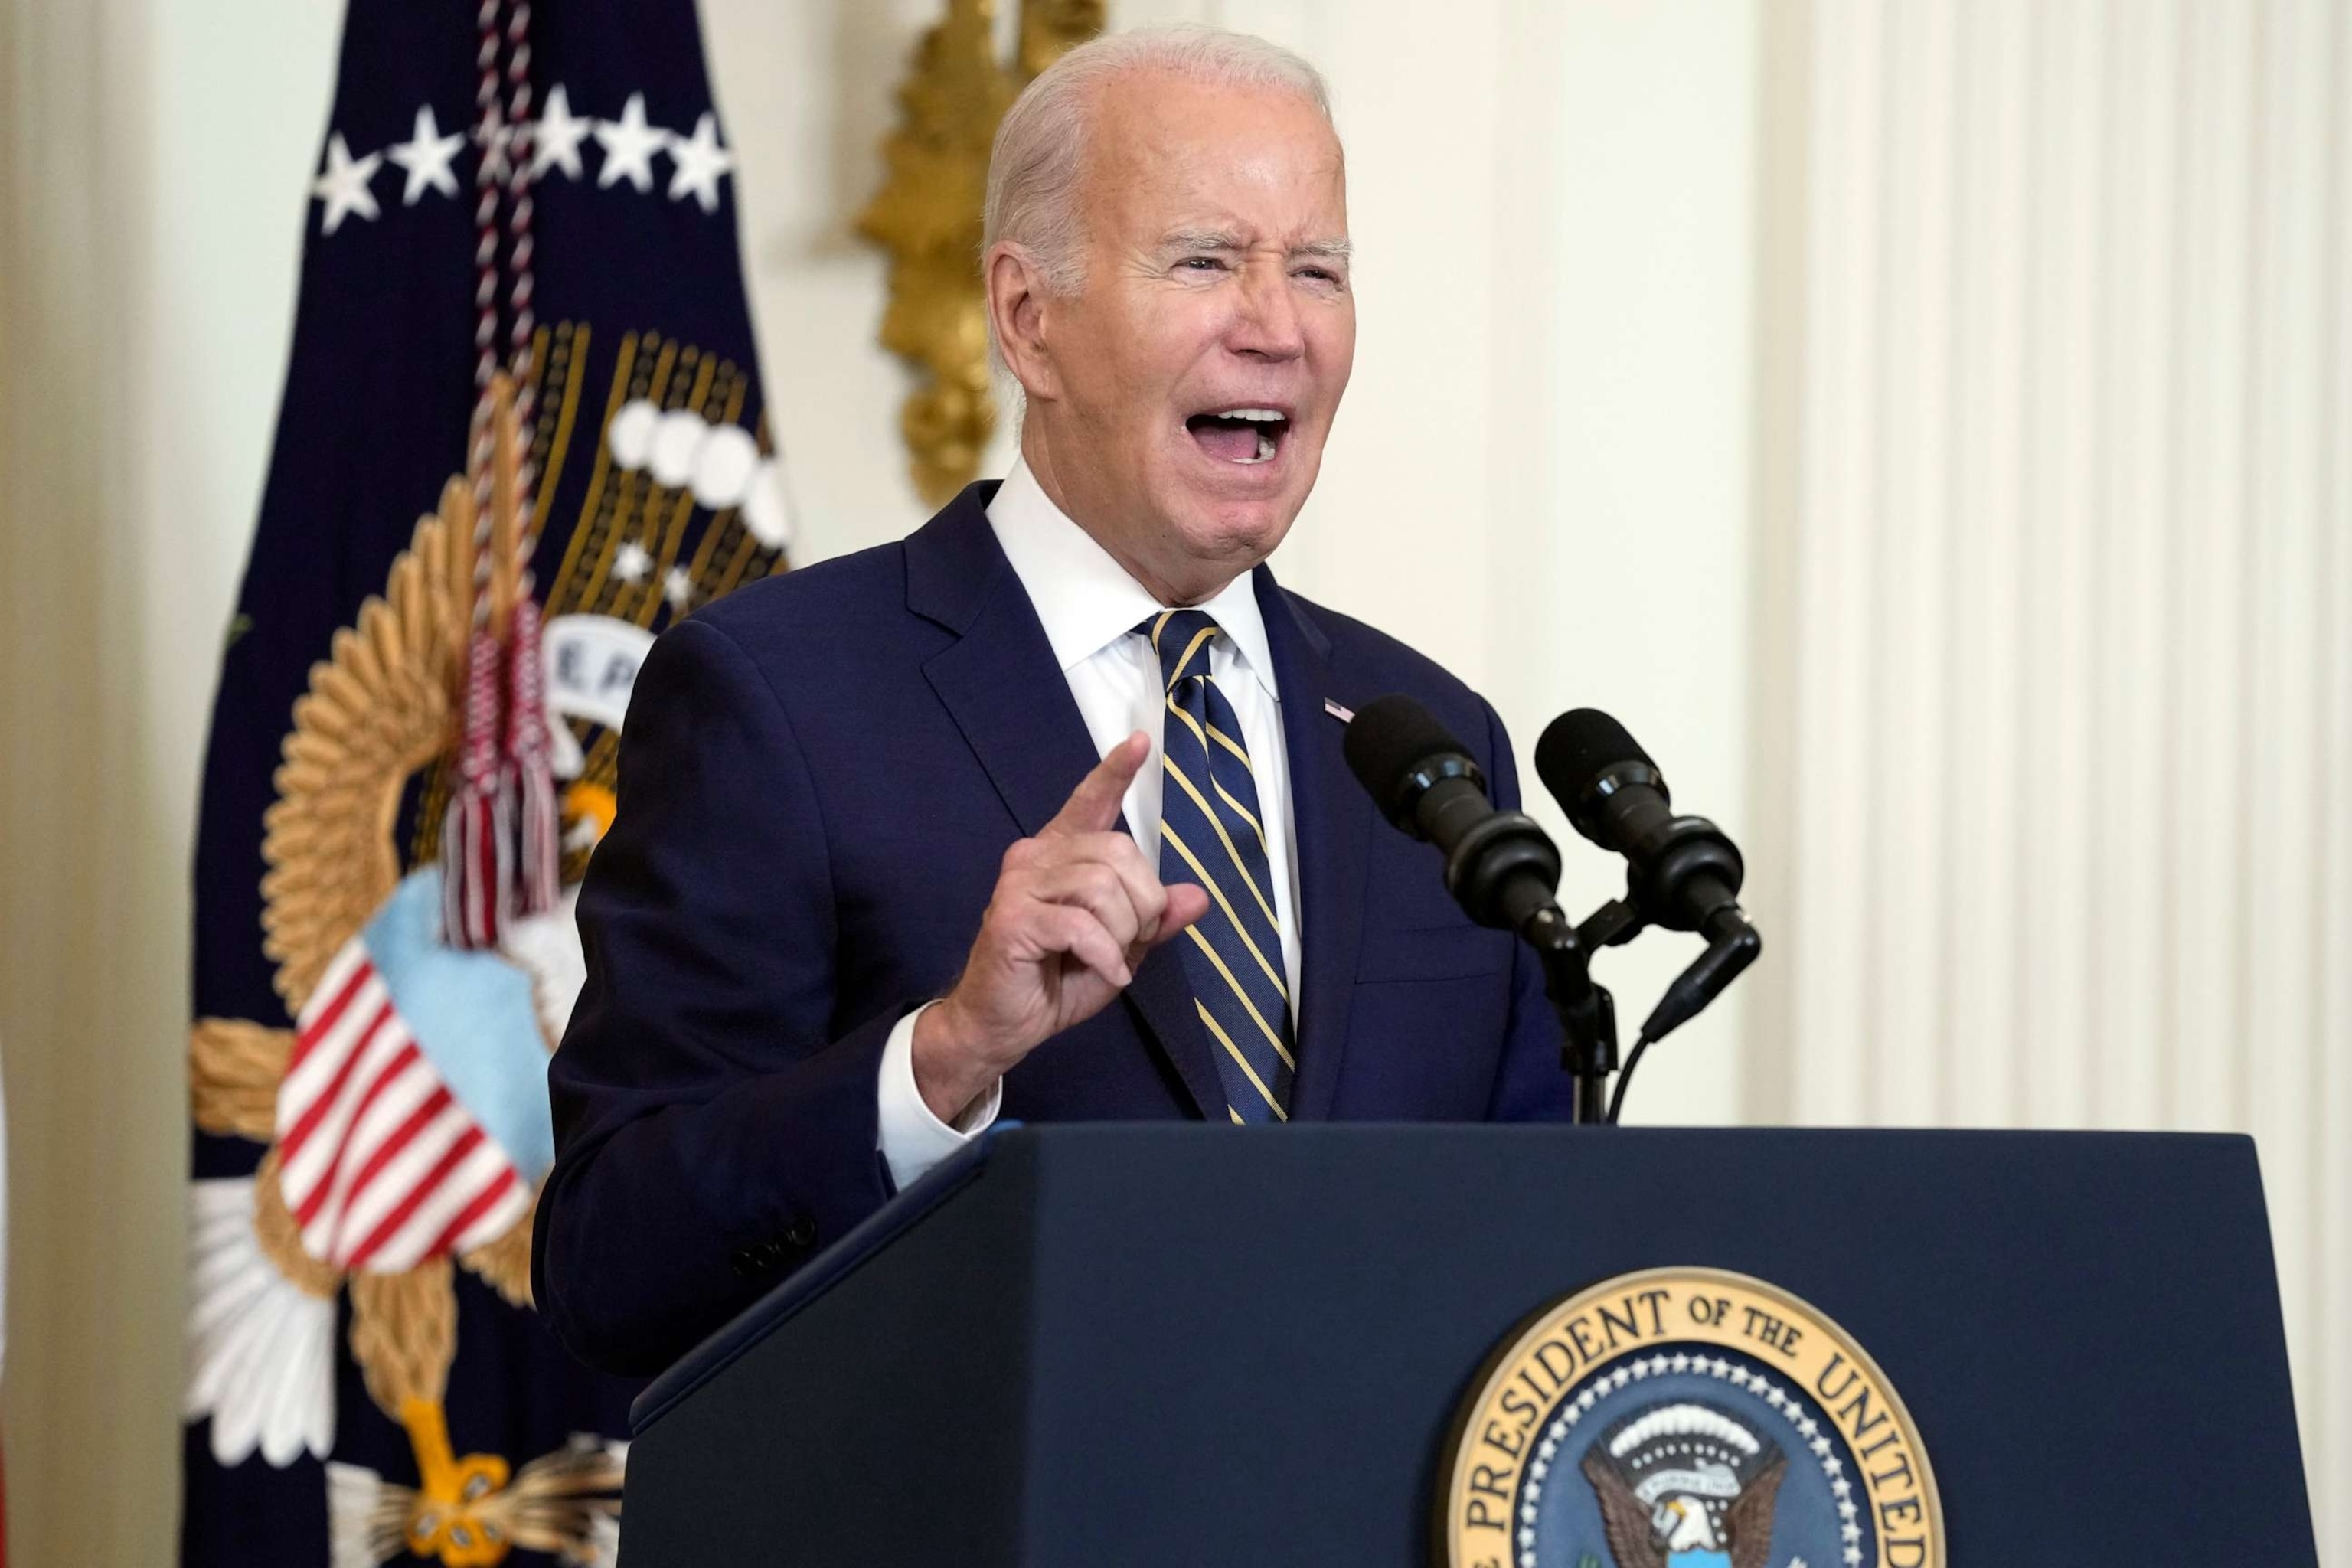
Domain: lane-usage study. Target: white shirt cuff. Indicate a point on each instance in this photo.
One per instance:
(913, 1139)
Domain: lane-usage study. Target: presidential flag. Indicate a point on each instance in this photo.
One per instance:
(522, 432)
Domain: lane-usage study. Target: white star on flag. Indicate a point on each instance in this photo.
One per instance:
(633, 563)
(629, 146)
(677, 587)
(343, 185)
(556, 142)
(427, 156)
(700, 162)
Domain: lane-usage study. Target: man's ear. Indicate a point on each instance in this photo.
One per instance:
(1016, 303)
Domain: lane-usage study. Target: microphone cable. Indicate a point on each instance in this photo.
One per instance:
(1632, 1060)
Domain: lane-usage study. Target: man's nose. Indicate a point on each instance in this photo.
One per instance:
(1268, 324)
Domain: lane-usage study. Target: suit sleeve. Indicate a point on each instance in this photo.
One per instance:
(714, 1124)
(1531, 1085)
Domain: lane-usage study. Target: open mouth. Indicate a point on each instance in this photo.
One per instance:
(1240, 435)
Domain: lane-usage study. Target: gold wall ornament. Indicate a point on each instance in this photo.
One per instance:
(928, 214)
(1051, 28)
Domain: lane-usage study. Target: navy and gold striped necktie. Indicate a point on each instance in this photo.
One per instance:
(1212, 833)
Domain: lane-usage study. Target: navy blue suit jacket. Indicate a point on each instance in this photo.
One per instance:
(819, 777)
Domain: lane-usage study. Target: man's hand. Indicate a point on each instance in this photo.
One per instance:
(1074, 911)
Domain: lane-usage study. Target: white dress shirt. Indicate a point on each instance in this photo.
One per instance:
(1090, 608)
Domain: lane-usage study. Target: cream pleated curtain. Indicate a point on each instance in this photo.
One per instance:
(2054, 705)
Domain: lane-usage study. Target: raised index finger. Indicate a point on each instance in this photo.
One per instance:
(1093, 807)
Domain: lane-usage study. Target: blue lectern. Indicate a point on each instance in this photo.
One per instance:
(1134, 1346)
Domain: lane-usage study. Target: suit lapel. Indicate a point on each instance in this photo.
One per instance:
(1334, 818)
(1000, 683)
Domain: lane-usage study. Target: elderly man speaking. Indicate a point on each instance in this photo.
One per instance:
(1039, 813)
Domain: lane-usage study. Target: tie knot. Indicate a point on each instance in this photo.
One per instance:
(1182, 639)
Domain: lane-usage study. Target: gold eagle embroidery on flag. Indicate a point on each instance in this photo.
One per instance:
(393, 1183)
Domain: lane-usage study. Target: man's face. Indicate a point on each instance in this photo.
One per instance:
(1197, 371)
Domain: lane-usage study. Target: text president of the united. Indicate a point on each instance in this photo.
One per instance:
(1065, 764)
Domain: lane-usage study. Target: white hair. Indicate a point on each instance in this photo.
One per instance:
(1036, 168)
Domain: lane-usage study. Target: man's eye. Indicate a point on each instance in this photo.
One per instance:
(1201, 263)
(1320, 274)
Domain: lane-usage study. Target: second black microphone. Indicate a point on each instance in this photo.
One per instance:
(1500, 865)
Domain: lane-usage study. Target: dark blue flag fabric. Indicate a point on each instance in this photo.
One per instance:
(412, 759)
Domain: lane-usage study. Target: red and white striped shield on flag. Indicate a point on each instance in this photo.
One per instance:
(381, 1167)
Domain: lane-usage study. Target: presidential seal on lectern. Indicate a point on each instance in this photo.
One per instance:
(1686, 1418)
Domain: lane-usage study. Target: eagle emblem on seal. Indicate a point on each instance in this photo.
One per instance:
(1685, 1486)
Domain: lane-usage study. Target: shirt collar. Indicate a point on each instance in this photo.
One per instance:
(1086, 598)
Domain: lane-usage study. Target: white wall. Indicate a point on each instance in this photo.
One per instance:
(1540, 475)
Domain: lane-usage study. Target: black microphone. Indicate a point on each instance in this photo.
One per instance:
(1684, 871)
(1499, 865)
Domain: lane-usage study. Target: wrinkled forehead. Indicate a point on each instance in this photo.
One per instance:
(1172, 156)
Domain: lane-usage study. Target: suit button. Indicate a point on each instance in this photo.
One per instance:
(803, 1234)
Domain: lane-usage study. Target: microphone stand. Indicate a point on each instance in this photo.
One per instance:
(1503, 869)
(1588, 1014)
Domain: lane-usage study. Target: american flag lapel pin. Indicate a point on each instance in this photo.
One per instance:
(1345, 715)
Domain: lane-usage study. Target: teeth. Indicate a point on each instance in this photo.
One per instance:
(1264, 449)
(1266, 414)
